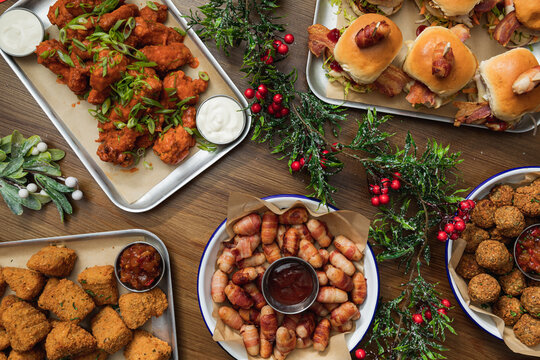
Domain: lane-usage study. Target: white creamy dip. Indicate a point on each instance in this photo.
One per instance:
(20, 32)
(220, 119)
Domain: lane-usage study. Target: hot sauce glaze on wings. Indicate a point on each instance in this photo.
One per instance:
(127, 62)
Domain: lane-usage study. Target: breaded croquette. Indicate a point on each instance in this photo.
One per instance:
(26, 284)
(96, 355)
(7, 302)
(145, 346)
(68, 339)
(4, 339)
(110, 331)
(137, 308)
(66, 300)
(36, 353)
(26, 326)
(53, 261)
(3, 283)
(100, 283)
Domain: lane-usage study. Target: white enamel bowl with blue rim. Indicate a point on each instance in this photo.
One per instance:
(512, 176)
(207, 268)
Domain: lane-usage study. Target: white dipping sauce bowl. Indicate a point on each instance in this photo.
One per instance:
(220, 119)
(20, 32)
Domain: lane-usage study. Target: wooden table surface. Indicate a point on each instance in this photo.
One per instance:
(186, 220)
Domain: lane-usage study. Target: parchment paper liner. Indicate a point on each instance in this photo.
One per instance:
(131, 186)
(506, 332)
(342, 222)
(480, 43)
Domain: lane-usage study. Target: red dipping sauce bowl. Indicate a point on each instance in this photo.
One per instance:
(139, 267)
(290, 285)
(527, 252)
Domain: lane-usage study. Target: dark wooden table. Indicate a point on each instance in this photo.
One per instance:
(187, 219)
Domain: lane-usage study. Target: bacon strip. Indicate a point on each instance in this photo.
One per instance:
(318, 40)
(421, 95)
(461, 31)
(443, 60)
(486, 6)
(472, 113)
(372, 34)
(392, 81)
(504, 30)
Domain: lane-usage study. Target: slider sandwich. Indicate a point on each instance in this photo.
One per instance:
(386, 7)
(448, 12)
(360, 59)
(508, 88)
(440, 65)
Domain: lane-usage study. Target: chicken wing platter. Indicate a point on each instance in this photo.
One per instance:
(414, 60)
(122, 82)
(65, 292)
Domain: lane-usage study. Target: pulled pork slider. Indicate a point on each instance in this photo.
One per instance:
(440, 66)
(386, 7)
(361, 58)
(508, 88)
(513, 23)
(447, 12)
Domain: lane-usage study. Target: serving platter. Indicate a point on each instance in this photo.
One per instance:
(511, 176)
(176, 177)
(207, 268)
(101, 249)
(326, 13)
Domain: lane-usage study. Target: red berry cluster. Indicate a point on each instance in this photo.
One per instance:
(297, 165)
(380, 191)
(442, 310)
(453, 228)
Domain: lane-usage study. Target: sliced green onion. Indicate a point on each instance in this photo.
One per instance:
(203, 76)
(152, 5)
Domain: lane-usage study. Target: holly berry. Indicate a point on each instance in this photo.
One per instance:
(334, 147)
(376, 189)
(471, 203)
(459, 226)
(256, 108)
(396, 175)
(427, 314)
(324, 152)
(442, 236)
(385, 199)
(278, 98)
(295, 166)
(249, 93)
(395, 184)
(454, 236)
(360, 354)
(375, 201)
(464, 206)
(385, 182)
(259, 95)
(284, 112)
(384, 190)
(262, 89)
(271, 110)
(323, 163)
(446, 303)
(449, 228)
(302, 162)
(269, 60)
(283, 49)
(276, 43)
(289, 38)
(442, 311)
(417, 318)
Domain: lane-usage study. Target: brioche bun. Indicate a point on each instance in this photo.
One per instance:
(528, 13)
(456, 7)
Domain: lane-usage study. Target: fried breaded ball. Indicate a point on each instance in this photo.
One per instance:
(509, 220)
(26, 326)
(483, 289)
(527, 330)
(110, 331)
(527, 200)
(145, 346)
(483, 214)
(67, 300)
(530, 299)
(513, 283)
(501, 195)
(492, 255)
(100, 283)
(36, 353)
(96, 355)
(3, 283)
(473, 235)
(4, 339)
(468, 267)
(495, 234)
(68, 339)
(508, 309)
(137, 308)
(7, 302)
(26, 284)
(53, 261)
(506, 268)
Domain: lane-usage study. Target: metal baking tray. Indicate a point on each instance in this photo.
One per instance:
(163, 327)
(326, 14)
(183, 174)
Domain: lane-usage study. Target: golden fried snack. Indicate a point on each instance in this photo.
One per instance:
(68, 339)
(26, 284)
(169, 57)
(96, 355)
(146, 346)
(100, 283)
(4, 339)
(137, 308)
(3, 283)
(67, 300)
(174, 145)
(53, 261)
(36, 353)
(159, 15)
(110, 331)
(26, 326)
(7, 302)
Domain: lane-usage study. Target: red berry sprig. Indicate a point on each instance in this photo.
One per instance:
(289, 38)
(360, 354)
(380, 191)
(453, 228)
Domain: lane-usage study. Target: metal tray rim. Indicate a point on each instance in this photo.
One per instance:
(96, 173)
(128, 232)
(320, 93)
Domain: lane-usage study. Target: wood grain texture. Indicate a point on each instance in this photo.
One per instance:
(187, 219)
